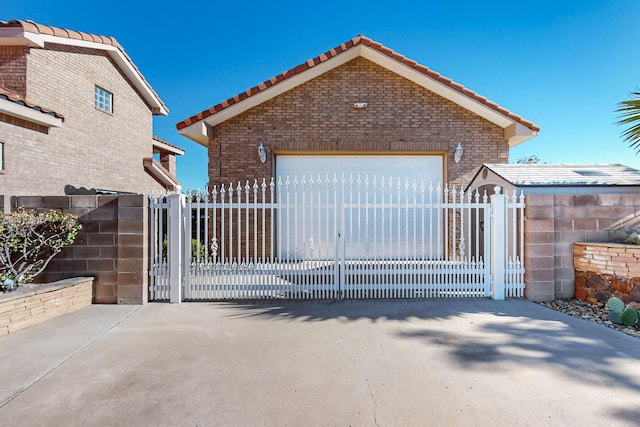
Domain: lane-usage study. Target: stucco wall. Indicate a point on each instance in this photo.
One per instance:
(319, 115)
(92, 148)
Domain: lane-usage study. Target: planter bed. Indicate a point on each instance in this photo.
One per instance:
(604, 270)
(33, 304)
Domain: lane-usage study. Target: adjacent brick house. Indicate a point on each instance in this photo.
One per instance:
(352, 109)
(76, 116)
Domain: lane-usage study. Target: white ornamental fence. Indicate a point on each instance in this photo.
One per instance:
(336, 238)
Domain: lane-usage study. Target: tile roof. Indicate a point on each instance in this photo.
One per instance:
(47, 30)
(550, 175)
(9, 95)
(164, 141)
(359, 40)
(160, 173)
(33, 27)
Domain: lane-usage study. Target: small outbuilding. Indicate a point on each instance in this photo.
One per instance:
(557, 178)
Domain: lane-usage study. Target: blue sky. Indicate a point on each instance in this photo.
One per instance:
(562, 64)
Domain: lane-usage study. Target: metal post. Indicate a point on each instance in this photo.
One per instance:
(497, 237)
(175, 246)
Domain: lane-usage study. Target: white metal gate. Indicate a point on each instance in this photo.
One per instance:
(336, 238)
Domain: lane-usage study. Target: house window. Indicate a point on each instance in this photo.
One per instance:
(103, 99)
(1, 156)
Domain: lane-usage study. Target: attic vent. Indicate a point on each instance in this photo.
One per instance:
(590, 172)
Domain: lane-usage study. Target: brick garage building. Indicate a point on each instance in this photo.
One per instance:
(347, 110)
(76, 115)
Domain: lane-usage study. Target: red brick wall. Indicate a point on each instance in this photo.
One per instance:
(319, 115)
(112, 246)
(13, 68)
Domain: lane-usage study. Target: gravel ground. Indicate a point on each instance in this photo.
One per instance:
(586, 311)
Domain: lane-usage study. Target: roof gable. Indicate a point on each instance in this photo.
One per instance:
(517, 128)
(27, 33)
(563, 175)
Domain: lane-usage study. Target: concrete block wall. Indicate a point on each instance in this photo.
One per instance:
(555, 222)
(112, 247)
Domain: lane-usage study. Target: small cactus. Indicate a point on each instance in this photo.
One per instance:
(615, 304)
(620, 314)
(624, 235)
(629, 317)
(615, 317)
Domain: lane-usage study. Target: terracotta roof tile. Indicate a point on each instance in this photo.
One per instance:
(35, 28)
(365, 41)
(164, 141)
(9, 95)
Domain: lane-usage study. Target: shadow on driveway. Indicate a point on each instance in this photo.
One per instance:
(516, 331)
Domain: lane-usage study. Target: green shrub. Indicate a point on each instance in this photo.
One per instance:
(29, 240)
(194, 249)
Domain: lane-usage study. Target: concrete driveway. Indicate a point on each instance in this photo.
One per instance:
(418, 363)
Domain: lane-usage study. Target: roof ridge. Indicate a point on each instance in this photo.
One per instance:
(333, 52)
(36, 28)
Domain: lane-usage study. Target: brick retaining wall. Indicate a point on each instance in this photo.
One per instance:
(604, 270)
(32, 305)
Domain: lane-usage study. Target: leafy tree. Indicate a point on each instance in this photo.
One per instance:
(29, 240)
(630, 115)
(529, 160)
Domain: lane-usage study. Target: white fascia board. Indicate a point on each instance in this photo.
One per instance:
(118, 57)
(283, 86)
(439, 88)
(29, 114)
(161, 145)
(518, 133)
(196, 132)
(158, 172)
(16, 37)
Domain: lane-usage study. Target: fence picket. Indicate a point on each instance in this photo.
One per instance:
(341, 237)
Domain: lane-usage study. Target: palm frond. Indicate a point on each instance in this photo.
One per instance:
(630, 115)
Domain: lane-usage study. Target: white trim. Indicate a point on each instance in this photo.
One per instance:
(16, 36)
(515, 136)
(29, 114)
(166, 147)
(158, 172)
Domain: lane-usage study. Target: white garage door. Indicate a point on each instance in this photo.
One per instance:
(316, 214)
(427, 168)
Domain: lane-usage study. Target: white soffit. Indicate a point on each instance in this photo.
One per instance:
(14, 109)
(283, 86)
(166, 147)
(155, 169)
(518, 134)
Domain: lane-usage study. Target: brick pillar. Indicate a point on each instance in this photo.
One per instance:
(539, 228)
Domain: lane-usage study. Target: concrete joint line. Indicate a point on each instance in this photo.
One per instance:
(72, 355)
(373, 398)
(370, 390)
